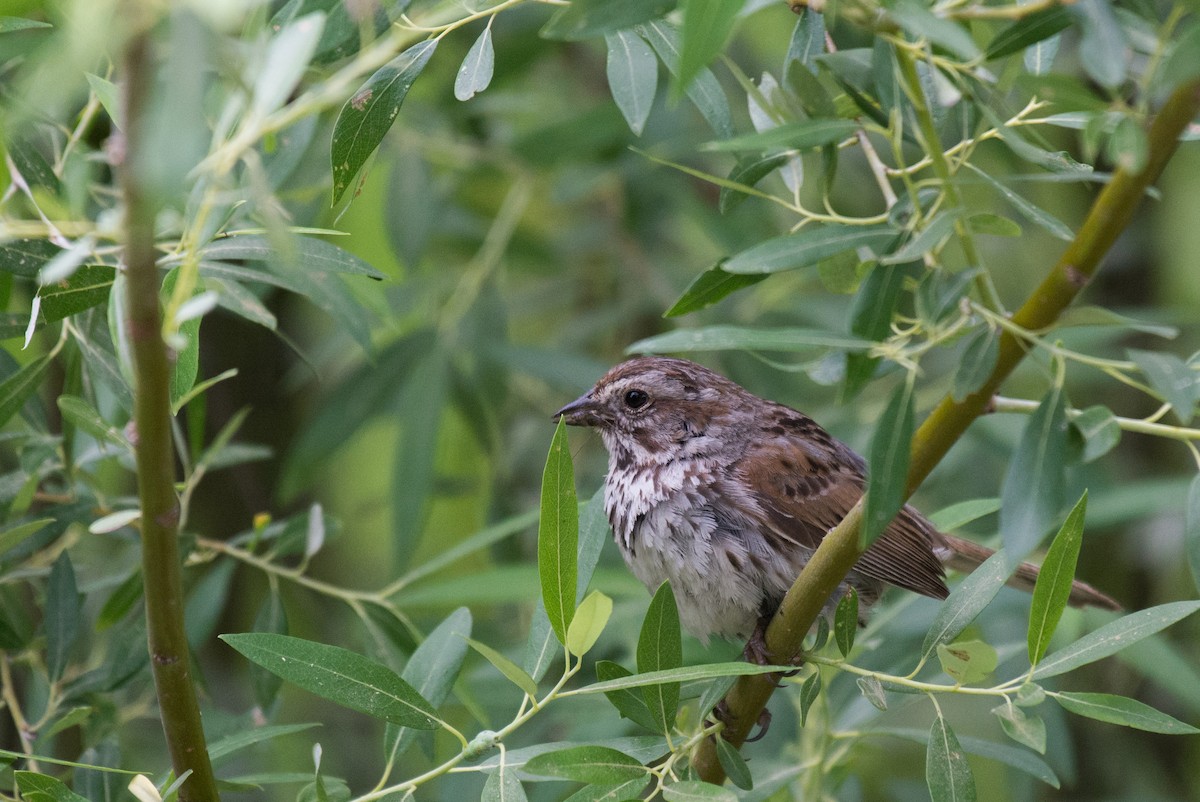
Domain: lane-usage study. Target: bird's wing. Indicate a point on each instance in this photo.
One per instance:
(805, 485)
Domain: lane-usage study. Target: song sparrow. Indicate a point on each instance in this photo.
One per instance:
(726, 496)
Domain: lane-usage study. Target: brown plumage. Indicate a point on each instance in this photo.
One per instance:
(726, 495)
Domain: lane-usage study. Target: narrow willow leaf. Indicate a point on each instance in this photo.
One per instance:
(476, 71)
(704, 91)
(994, 224)
(271, 618)
(598, 765)
(845, 622)
(61, 621)
(927, 239)
(959, 515)
(1123, 710)
(26, 257)
(726, 338)
(628, 702)
(1033, 213)
(1113, 637)
(1191, 529)
(734, 764)
(949, 35)
(41, 788)
(697, 791)
(709, 287)
(8, 24)
(1053, 586)
(18, 533)
(871, 318)
(1099, 429)
(1103, 50)
(748, 172)
(585, 19)
(238, 741)
(432, 671)
(706, 26)
(84, 417)
(423, 399)
(678, 675)
(502, 785)
(1035, 484)
(515, 674)
(808, 247)
(1028, 730)
(809, 692)
(308, 253)
(967, 661)
(807, 42)
(1171, 379)
(660, 648)
(889, 456)
(339, 675)
(17, 388)
(287, 57)
(632, 77)
(1018, 758)
(966, 601)
(947, 772)
(590, 618)
(370, 112)
(792, 136)
(87, 287)
(558, 534)
(1028, 30)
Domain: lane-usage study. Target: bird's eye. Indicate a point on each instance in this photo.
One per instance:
(636, 398)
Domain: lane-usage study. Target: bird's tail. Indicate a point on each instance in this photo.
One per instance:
(965, 555)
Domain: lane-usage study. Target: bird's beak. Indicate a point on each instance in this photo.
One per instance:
(580, 412)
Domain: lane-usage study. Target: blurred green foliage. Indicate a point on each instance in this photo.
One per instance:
(402, 332)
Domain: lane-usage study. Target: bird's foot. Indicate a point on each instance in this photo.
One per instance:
(722, 714)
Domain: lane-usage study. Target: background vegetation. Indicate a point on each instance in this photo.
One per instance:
(388, 239)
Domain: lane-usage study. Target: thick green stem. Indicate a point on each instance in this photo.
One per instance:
(161, 568)
(1110, 213)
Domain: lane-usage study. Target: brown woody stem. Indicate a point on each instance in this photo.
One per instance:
(1108, 216)
(161, 569)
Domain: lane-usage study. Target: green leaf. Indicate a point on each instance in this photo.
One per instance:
(628, 702)
(27, 257)
(513, 672)
(308, 253)
(432, 671)
(1035, 484)
(679, 675)
(83, 416)
(1030, 211)
(1191, 529)
(1028, 30)
(871, 318)
(947, 772)
(502, 785)
(1020, 759)
(87, 287)
(809, 691)
(14, 535)
(287, 57)
(734, 764)
(339, 675)
(40, 788)
(590, 618)
(584, 19)
(271, 618)
(660, 648)
(1122, 710)
(1099, 429)
(1053, 586)
(9, 24)
(845, 622)
(889, 456)
(994, 224)
(598, 765)
(1113, 637)
(927, 239)
(237, 742)
(804, 135)
(748, 172)
(61, 621)
(709, 287)
(727, 338)
(966, 601)
(558, 534)
(967, 661)
(959, 515)
(1172, 379)
(921, 23)
(808, 247)
(697, 791)
(704, 91)
(476, 71)
(1103, 50)
(1025, 729)
(17, 388)
(423, 399)
(706, 26)
(370, 112)
(632, 73)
